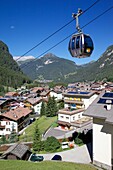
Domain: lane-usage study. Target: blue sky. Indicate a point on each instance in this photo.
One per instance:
(25, 23)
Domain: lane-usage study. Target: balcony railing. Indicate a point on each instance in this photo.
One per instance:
(73, 101)
(70, 111)
(82, 122)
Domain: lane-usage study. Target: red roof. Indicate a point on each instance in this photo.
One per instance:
(17, 113)
(34, 101)
(11, 94)
(35, 89)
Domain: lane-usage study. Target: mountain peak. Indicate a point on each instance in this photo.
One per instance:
(49, 55)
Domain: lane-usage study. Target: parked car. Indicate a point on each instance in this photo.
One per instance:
(57, 158)
(35, 158)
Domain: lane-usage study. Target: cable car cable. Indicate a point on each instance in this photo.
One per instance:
(69, 36)
(55, 32)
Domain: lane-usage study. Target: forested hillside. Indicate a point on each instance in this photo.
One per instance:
(10, 73)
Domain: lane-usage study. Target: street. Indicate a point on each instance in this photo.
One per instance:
(77, 155)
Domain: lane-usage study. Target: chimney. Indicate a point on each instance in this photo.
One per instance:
(108, 106)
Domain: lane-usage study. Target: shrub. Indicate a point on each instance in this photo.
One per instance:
(78, 141)
(51, 144)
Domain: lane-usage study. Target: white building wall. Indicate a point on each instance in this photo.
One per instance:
(76, 117)
(69, 118)
(58, 96)
(87, 102)
(8, 127)
(37, 107)
(101, 144)
(64, 118)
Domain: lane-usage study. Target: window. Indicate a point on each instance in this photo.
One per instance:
(88, 41)
(62, 116)
(73, 43)
(79, 116)
(7, 129)
(7, 123)
(73, 117)
(77, 42)
(67, 117)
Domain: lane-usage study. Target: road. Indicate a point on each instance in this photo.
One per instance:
(77, 155)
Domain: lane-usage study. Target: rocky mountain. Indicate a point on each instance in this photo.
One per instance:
(10, 73)
(51, 67)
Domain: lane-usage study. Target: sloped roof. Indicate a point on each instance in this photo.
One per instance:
(34, 100)
(11, 94)
(45, 93)
(35, 89)
(17, 113)
(17, 149)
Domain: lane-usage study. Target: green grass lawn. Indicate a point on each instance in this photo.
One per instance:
(45, 165)
(43, 124)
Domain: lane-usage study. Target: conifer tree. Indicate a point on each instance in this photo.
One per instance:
(55, 108)
(3, 140)
(43, 109)
(37, 139)
(49, 108)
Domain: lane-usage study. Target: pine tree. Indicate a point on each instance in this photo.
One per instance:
(55, 108)
(43, 109)
(37, 139)
(49, 108)
(61, 105)
(3, 139)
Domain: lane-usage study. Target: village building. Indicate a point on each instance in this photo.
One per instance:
(18, 151)
(101, 110)
(45, 94)
(59, 88)
(81, 99)
(57, 95)
(7, 104)
(98, 86)
(14, 120)
(37, 90)
(34, 104)
(11, 94)
(75, 103)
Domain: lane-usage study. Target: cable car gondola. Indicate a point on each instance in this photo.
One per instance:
(80, 44)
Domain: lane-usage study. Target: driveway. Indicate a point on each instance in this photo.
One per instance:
(58, 133)
(77, 155)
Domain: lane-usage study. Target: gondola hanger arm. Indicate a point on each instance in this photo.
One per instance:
(77, 21)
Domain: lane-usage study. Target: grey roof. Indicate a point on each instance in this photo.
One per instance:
(98, 108)
(17, 149)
